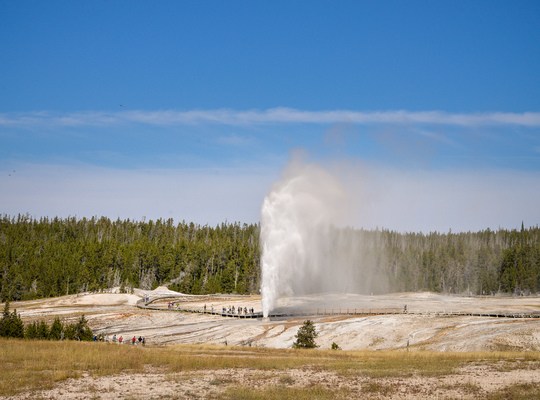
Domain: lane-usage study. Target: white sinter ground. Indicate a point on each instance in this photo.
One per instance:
(118, 314)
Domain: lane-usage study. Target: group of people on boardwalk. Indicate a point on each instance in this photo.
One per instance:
(231, 310)
(237, 311)
(120, 339)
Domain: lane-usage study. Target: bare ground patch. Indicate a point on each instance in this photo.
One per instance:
(470, 382)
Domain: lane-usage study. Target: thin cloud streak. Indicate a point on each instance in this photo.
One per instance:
(269, 116)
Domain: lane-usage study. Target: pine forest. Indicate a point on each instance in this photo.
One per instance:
(53, 257)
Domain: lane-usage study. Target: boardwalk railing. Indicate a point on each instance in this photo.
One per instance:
(331, 312)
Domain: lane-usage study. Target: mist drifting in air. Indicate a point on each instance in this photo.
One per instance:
(306, 248)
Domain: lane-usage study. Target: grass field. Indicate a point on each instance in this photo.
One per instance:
(32, 365)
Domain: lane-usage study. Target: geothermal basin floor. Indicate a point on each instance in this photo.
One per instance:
(432, 321)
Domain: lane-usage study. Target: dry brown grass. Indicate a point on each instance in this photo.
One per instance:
(28, 365)
(518, 391)
(382, 364)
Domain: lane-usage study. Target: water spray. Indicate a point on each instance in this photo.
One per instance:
(296, 218)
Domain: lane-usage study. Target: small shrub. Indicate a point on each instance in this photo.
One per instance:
(217, 381)
(379, 388)
(286, 380)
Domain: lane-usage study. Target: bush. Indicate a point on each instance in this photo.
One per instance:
(305, 337)
(335, 346)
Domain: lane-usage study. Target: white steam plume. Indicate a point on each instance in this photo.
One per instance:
(296, 217)
(303, 248)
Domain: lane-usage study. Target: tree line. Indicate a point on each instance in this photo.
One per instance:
(11, 325)
(52, 257)
(479, 263)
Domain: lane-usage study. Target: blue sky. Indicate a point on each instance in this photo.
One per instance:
(192, 109)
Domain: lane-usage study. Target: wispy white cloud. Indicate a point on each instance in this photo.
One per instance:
(268, 116)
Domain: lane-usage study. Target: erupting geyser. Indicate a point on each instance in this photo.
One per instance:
(297, 219)
(305, 247)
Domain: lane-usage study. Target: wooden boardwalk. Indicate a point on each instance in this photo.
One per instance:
(335, 312)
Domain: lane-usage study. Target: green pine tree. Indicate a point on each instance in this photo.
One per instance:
(56, 329)
(82, 330)
(30, 331)
(306, 335)
(16, 326)
(69, 332)
(5, 320)
(42, 330)
(11, 324)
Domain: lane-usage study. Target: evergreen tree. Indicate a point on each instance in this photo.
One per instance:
(305, 337)
(11, 324)
(82, 330)
(56, 329)
(31, 331)
(17, 325)
(42, 330)
(70, 332)
(5, 321)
